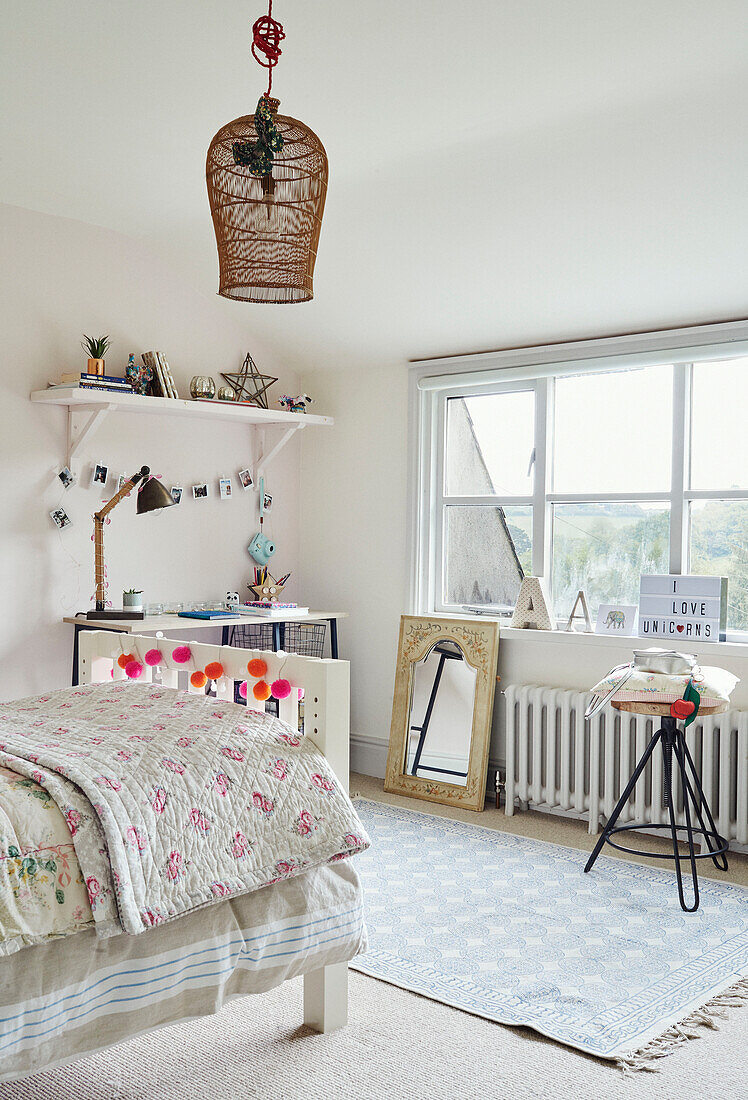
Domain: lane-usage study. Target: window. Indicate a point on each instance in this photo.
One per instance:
(589, 473)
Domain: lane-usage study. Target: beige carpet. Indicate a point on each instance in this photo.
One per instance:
(396, 1045)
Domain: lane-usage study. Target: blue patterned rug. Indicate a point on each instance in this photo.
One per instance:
(513, 930)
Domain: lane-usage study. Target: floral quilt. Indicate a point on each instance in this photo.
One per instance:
(42, 892)
(174, 800)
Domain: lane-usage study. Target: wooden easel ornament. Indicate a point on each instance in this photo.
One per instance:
(581, 599)
(531, 611)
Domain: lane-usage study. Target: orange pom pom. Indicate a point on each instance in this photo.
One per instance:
(214, 670)
(124, 659)
(198, 679)
(257, 667)
(261, 690)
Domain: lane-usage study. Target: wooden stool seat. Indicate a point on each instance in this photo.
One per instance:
(661, 710)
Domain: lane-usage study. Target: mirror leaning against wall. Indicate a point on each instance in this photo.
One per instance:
(445, 681)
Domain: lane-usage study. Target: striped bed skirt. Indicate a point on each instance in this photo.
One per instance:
(74, 996)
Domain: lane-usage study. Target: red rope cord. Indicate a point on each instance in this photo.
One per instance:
(267, 35)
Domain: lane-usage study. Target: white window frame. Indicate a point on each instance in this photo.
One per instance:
(433, 382)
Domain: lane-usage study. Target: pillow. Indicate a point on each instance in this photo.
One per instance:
(714, 685)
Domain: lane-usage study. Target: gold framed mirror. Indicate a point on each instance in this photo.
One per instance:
(442, 708)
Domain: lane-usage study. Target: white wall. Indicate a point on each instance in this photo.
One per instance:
(59, 278)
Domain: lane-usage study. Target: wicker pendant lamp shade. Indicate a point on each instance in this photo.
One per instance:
(267, 183)
(267, 240)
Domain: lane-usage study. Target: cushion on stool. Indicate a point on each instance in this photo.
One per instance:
(713, 684)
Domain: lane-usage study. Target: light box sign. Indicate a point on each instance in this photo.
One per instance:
(687, 607)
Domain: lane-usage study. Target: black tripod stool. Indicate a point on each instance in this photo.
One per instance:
(671, 739)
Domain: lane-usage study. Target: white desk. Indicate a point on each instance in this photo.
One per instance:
(170, 623)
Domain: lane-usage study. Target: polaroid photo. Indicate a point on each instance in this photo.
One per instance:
(100, 474)
(267, 502)
(66, 476)
(245, 480)
(200, 492)
(176, 493)
(121, 481)
(224, 487)
(60, 518)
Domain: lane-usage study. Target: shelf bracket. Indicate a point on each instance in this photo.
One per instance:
(265, 458)
(79, 431)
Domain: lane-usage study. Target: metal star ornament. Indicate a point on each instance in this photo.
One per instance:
(249, 384)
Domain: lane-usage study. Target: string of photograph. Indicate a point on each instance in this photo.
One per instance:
(100, 477)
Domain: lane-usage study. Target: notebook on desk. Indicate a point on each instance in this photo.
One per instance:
(207, 615)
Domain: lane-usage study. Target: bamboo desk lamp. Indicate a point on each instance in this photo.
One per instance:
(152, 497)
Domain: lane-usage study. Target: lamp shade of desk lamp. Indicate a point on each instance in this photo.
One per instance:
(151, 498)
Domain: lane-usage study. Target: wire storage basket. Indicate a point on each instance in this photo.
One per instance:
(306, 639)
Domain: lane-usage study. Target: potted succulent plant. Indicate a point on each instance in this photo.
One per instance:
(96, 346)
(132, 600)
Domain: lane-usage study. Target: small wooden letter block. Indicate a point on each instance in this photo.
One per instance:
(531, 611)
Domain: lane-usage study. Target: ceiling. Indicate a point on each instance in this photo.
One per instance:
(509, 171)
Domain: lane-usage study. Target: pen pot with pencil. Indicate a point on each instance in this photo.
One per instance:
(266, 589)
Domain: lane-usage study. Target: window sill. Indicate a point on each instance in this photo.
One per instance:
(610, 641)
(512, 636)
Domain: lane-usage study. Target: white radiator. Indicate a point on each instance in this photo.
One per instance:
(556, 761)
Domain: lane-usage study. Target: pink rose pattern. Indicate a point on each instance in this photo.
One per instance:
(199, 806)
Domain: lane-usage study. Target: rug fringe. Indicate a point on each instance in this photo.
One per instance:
(645, 1059)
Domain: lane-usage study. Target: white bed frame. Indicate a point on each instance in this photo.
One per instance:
(326, 702)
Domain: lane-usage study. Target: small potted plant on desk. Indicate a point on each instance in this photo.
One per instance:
(97, 348)
(132, 600)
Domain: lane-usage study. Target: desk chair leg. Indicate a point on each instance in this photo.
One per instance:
(610, 825)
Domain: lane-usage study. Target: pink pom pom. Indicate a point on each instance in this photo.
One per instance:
(243, 690)
(154, 657)
(134, 670)
(280, 689)
(301, 694)
(181, 654)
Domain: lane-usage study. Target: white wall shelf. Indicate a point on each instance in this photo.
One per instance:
(87, 409)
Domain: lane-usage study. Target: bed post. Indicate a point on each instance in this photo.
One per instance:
(327, 724)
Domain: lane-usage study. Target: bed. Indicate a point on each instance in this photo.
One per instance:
(128, 904)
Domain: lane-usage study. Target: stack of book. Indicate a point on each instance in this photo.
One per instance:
(82, 381)
(274, 610)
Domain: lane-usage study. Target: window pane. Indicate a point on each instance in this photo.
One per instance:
(719, 547)
(604, 548)
(485, 553)
(489, 444)
(613, 432)
(719, 441)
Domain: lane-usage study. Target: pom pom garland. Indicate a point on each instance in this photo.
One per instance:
(181, 654)
(198, 679)
(280, 689)
(154, 657)
(261, 690)
(124, 659)
(243, 690)
(214, 670)
(134, 670)
(257, 667)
